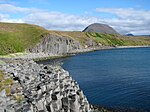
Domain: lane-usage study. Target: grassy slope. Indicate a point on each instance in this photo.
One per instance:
(17, 37)
(105, 39)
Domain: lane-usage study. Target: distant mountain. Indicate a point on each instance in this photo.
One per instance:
(100, 28)
(129, 34)
(17, 38)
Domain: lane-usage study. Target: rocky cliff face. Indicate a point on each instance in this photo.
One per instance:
(41, 88)
(53, 44)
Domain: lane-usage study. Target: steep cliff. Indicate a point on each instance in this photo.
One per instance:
(40, 88)
(54, 44)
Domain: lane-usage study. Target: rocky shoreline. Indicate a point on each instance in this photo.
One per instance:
(32, 87)
(42, 55)
(41, 88)
(45, 56)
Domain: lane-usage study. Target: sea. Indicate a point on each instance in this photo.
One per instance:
(115, 78)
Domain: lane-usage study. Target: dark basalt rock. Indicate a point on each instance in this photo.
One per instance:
(54, 97)
(43, 88)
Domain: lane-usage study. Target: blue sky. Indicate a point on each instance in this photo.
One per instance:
(126, 16)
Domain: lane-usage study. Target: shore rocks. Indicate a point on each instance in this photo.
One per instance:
(41, 88)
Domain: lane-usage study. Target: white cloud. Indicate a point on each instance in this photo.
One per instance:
(50, 20)
(126, 13)
(3, 16)
(6, 18)
(126, 20)
(60, 21)
(131, 20)
(9, 8)
(13, 20)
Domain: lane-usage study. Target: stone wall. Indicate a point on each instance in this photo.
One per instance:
(43, 88)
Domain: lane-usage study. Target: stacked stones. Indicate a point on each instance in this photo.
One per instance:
(45, 88)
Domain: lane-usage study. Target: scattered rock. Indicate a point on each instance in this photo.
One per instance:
(3, 93)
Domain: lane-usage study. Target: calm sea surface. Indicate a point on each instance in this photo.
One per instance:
(113, 78)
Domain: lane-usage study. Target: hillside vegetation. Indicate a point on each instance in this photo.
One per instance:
(105, 39)
(18, 37)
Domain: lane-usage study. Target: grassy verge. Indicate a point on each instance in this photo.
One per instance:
(13, 55)
(51, 57)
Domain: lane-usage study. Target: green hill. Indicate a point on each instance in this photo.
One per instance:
(18, 37)
(105, 39)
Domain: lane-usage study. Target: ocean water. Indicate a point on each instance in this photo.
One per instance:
(113, 78)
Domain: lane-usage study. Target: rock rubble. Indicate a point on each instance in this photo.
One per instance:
(41, 88)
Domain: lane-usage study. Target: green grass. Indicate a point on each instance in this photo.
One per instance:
(16, 38)
(6, 83)
(118, 40)
(2, 62)
(104, 39)
(12, 55)
(19, 98)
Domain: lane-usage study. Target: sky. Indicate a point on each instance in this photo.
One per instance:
(125, 16)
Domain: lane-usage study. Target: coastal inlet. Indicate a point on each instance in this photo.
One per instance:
(118, 78)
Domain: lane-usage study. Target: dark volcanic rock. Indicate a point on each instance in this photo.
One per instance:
(100, 28)
(41, 88)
